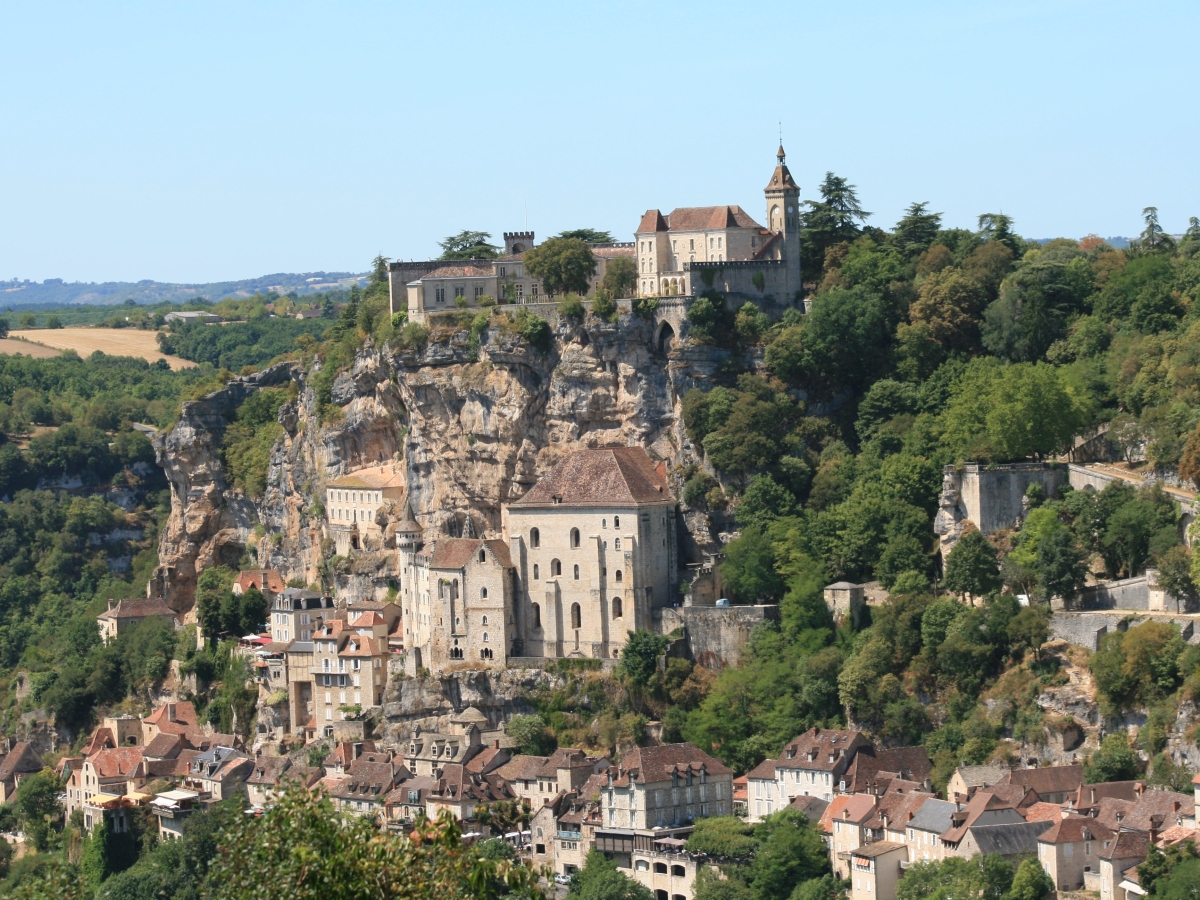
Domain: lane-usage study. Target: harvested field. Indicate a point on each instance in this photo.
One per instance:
(113, 341)
(37, 351)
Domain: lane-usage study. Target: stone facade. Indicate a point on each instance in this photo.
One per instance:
(352, 502)
(989, 497)
(694, 249)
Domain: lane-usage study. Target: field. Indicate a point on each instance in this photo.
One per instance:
(85, 341)
(37, 351)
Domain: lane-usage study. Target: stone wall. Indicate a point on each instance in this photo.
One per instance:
(1128, 593)
(717, 635)
(990, 498)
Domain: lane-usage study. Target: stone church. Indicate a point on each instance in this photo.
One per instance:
(586, 556)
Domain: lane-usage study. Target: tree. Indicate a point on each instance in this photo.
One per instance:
(1175, 576)
(3, 327)
(1030, 883)
(531, 734)
(1153, 239)
(1061, 566)
(1114, 761)
(620, 276)
(95, 864)
(639, 659)
(749, 567)
(588, 235)
(1161, 865)
(764, 501)
(836, 217)
(564, 265)
(54, 322)
(600, 880)
(917, 230)
(792, 853)
(305, 851)
(972, 567)
(997, 227)
(469, 245)
(950, 303)
(38, 807)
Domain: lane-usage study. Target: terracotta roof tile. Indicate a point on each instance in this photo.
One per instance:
(1047, 780)
(457, 272)
(254, 577)
(701, 218)
(115, 762)
(1128, 845)
(652, 220)
(1073, 829)
(22, 759)
(522, 768)
(137, 609)
(655, 764)
(1044, 812)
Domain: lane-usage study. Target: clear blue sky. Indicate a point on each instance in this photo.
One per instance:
(211, 141)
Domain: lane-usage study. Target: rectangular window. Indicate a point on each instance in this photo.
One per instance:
(520, 291)
(502, 271)
(439, 294)
(459, 290)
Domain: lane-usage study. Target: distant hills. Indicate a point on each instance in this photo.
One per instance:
(56, 292)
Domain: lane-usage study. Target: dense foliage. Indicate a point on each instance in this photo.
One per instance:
(240, 344)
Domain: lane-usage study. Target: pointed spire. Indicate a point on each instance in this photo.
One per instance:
(781, 156)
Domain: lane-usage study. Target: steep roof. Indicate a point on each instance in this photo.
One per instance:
(652, 220)
(1073, 829)
(900, 807)
(910, 763)
(487, 759)
(933, 816)
(1165, 804)
(703, 218)
(812, 750)
(116, 761)
(137, 609)
(608, 476)
(981, 776)
(102, 737)
(1128, 845)
(164, 746)
(522, 768)
(1008, 839)
(764, 770)
(813, 807)
(1047, 780)
(654, 764)
(455, 553)
(21, 760)
(255, 577)
(978, 804)
(269, 769)
(1044, 812)
(855, 808)
(1089, 795)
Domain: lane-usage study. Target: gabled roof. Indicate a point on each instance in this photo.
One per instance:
(652, 220)
(703, 218)
(981, 776)
(1089, 795)
(933, 816)
(910, 763)
(813, 807)
(1073, 829)
(248, 578)
(22, 759)
(164, 746)
(102, 737)
(268, 770)
(422, 784)
(116, 762)
(856, 808)
(367, 620)
(137, 609)
(609, 476)
(655, 764)
(812, 750)
(455, 553)
(566, 758)
(1165, 804)
(487, 760)
(1010, 838)
(765, 770)
(899, 807)
(343, 753)
(1128, 845)
(1048, 779)
(522, 767)
(1044, 812)
(980, 803)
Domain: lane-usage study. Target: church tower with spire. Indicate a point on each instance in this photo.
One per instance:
(783, 217)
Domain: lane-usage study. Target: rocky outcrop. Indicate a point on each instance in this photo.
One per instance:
(474, 428)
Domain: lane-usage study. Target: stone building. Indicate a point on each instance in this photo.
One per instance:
(441, 286)
(296, 612)
(121, 615)
(352, 501)
(814, 764)
(1070, 851)
(594, 545)
(693, 249)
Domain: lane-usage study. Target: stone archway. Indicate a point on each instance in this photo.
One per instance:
(664, 337)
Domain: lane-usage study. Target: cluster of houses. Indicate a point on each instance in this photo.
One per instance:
(879, 814)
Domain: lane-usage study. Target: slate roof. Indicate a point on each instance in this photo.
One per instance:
(933, 816)
(609, 476)
(1009, 839)
(1073, 829)
(813, 807)
(981, 776)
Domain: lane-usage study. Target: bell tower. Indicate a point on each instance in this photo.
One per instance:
(783, 218)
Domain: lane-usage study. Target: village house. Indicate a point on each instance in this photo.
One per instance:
(967, 777)
(923, 832)
(563, 828)
(813, 764)
(429, 752)
(172, 809)
(121, 615)
(666, 786)
(1052, 784)
(272, 775)
(218, 773)
(842, 826)
(875, 870)
(983, 808)
(268, 582)
(1126, 849)
(296, 612)
(461, 792)
(408, 801)
(1070, 852)
(1012, 840)
(351, 504)
(894, 809)
(367, 782)
(22, 760)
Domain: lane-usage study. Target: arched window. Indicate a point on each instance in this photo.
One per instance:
(537, 616)
(616, 607)
(577, 573)
(574, 537)
(616, 521)
(604, 523)
(485, 637)
(454, 589)
(618, 576)
(535, 538)
(576, 616)
(483, 593)
(484, 622)
(482, 555)
(617, 544)
(535, 572)
(555, 568)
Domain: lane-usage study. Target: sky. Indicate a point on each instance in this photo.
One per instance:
(197, 142)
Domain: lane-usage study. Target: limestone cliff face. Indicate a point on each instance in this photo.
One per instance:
(471, 429)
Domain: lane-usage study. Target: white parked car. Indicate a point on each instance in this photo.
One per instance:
(562, 879)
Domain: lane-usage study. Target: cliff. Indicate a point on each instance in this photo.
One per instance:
(472, 428)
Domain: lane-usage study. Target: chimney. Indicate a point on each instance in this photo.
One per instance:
(910, 817)
(1138, 788)
(264, 579)
(1093, 796)
(1175, 806)
(170, 712)
(496, 744)
(111, 604)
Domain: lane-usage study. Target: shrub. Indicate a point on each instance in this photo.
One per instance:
(413, 336)
(603, 307)
(571, 307)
